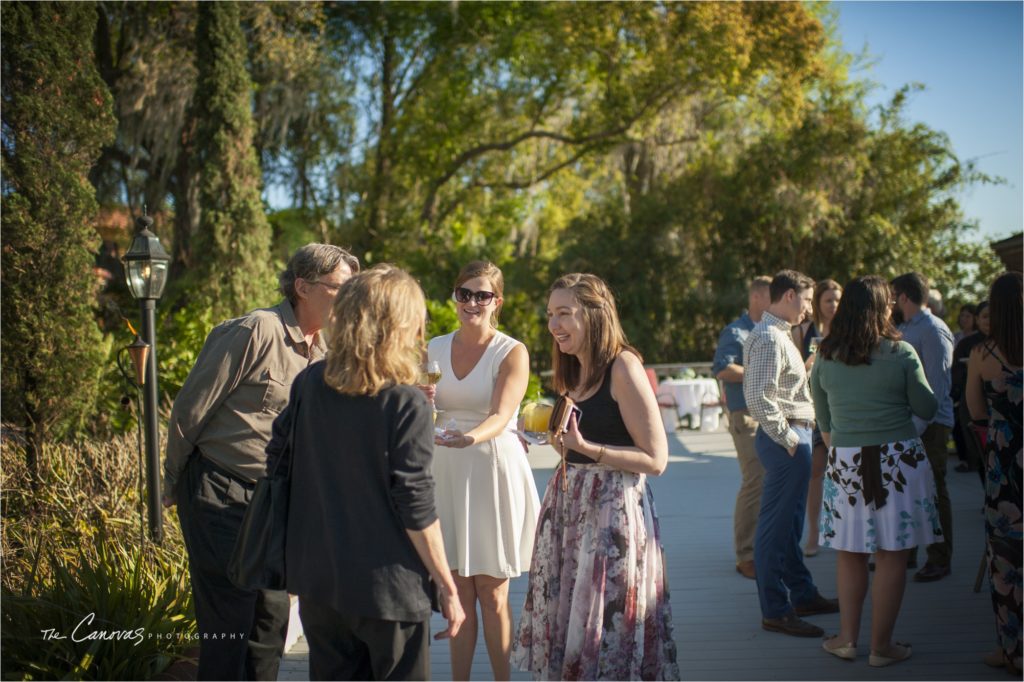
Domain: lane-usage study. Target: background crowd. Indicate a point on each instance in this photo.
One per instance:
(883, 393)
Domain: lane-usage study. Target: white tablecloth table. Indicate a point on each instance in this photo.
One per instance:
(689, 394)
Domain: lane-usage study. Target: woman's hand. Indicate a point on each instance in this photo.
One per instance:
(572, 439)
(454, 439)
(521, 426)
(429, 390)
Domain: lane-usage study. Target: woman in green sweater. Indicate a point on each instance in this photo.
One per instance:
(879, 490)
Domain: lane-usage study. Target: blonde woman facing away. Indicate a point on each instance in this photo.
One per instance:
(363, 538)
(486, 497)
(597, 606)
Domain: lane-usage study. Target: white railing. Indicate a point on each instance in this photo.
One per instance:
(669, 369)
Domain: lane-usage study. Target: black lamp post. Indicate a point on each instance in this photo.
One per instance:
(146, 271)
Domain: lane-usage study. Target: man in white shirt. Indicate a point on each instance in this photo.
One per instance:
(779, 399)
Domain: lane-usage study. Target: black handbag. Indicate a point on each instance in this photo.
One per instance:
(257, 561)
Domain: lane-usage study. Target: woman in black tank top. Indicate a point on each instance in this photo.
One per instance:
(603, 525)
(603, 422)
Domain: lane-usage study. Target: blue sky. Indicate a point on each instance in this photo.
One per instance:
(969, 57)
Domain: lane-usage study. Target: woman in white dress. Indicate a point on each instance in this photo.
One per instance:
(485, 494)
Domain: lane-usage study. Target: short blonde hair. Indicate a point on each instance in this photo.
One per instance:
(375, 332)
(605, 338)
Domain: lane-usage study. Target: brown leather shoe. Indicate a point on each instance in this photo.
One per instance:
(746, 569)
(930, 573)
(817, 605)
(790, 624)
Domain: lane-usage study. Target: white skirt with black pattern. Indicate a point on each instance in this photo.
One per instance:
(909, 516)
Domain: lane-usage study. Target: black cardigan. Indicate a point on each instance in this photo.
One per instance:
(360, 478)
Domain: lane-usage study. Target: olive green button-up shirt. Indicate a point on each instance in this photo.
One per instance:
(239, 384)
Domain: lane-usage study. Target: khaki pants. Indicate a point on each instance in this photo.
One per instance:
(935, 438)
(742, 428)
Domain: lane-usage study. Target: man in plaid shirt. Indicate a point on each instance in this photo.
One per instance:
(779, 399)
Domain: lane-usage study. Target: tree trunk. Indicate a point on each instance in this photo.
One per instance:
(380, 187)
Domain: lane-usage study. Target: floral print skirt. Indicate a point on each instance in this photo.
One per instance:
(1004, 520)
(597, 606)
(851, 518)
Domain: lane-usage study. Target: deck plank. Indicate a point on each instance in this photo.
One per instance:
(715, 611)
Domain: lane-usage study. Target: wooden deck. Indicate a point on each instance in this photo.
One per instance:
(715, 610)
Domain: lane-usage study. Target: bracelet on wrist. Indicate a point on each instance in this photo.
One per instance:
(600, 454)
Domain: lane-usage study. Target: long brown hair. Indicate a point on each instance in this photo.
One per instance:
(863, 319)
(375, 332)
(1006, 316)
(820, 288)
(605, 337)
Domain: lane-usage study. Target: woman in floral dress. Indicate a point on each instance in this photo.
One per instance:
(879, 489)
(993, 391)
(597, 605)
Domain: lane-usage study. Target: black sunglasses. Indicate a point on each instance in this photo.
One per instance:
(463, 295)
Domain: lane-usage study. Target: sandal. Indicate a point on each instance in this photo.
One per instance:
(994, 658)
(898, 651)
(847, 652)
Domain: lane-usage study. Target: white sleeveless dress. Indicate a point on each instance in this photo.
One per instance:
(485, 495)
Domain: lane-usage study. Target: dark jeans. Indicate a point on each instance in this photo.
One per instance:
(782, 578)
(348, 647)
(241, 632)
(935, 439)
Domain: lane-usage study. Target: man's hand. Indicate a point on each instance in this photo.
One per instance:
(168, 501)
(792, 450)
(451, 609)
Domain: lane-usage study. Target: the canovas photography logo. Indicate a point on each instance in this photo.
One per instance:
(91, 629)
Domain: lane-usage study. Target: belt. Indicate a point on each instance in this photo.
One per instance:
(802, 423)
(871, 476)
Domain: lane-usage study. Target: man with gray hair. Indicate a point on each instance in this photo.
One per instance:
(219, 428)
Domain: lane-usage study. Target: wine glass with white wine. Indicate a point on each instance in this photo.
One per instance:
(433, 376)
(433, 372)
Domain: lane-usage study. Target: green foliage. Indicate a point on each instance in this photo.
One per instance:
(234, 272)
(137, 596)
(675, 149)
(837, 195)
(182, 337)
(56, 117)
(441, 318)
(72, 548)
(293, 227)
(181, 334)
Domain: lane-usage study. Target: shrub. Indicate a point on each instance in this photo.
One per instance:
(72, 549)
(57, 116)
